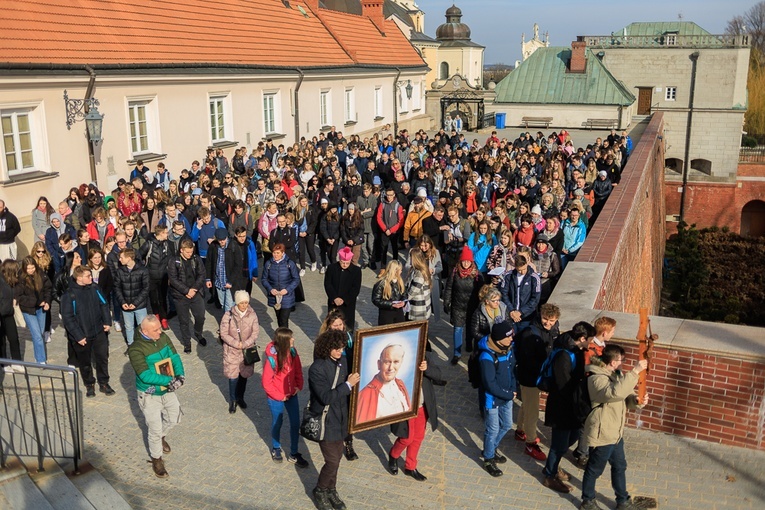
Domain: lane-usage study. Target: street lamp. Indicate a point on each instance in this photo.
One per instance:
(87, 110)
(409, 89)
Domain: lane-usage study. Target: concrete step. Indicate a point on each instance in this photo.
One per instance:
(58, 489)
(98, 491)
(19, 492)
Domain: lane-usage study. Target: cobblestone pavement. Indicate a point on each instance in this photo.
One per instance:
(222, 461)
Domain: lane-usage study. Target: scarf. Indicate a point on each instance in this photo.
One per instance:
(554, 232)
(465, 273)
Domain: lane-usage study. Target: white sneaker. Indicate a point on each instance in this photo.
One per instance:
(46, 335)
(323, 270)
(18, 369)
(302, 272)
(117, 326)
(8, 369)
(313, 266)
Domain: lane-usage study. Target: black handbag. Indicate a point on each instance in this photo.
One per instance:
(251, 354)
(312, 425)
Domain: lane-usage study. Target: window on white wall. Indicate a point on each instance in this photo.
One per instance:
(350, 105)
(18, 147)
(325, 108)
(403, 101)
(670, 94)
(416, 96)
(270, 104)
(670, 39)
(220, 117)
(378, 102)
(143, 126)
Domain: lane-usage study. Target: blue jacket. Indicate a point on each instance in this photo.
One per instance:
(497, 375)
(252, 258)
(573, 235)
(51, 244)
(165, 220)
(481, 247)
(281, 275)
(201, 235)
(524, 297)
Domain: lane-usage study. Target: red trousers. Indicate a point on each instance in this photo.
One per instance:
(412, 443)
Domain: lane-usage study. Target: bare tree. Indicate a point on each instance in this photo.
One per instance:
(752, 23)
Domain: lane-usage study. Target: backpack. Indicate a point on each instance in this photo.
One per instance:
(582, 403)
(546, 381)
(474, 367)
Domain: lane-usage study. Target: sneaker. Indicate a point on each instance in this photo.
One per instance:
(276, 454)
(106, 389)
(298, 460)
(46, 336)
(491, 467)
(117, 326)
(8, 369)
(158, 465)
(499, 458)
(165, 325)
(302, 273)
(520, 435)
(18, 369)
(552, 482)
(563, 476)
(323, 270)
(313, 266)
(627, 505)
(90, 390)
(187, 349)
(589, 505)
(535, 452)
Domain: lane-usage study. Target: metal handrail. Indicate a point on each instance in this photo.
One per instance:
(41, 412)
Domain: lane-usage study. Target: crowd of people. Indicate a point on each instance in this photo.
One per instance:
(478, 231)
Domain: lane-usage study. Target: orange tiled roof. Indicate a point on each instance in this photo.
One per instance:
(236, 32)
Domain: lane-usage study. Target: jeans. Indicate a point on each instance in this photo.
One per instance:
(277, 408)
(614, 455)
(561, 441)
(225, 298)
(565, 258)
(459, 334)
(128, 316)
(36, 324)
(497, 422)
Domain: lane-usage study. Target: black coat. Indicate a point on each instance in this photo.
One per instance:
(84, 312)
(132, 286)
(155, 254)
(355, 234)
(320, 377)
(6, 299)
(387, 314)
(532, 347)
(560, 410)
(329, 229)
(432, 373)
(233, 262)
(346, 285)
(480, 325)
(106, 282)
(288, 238)
(28, 298)
(184, 275)
(461, 297)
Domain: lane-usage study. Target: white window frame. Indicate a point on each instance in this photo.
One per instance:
(670, 39)
(325, 108)
(271, 122)
(403, 101)
(151, 125)
(417, 95)
(350, 105)
(379, 102)
(670, 93)
(35, 115)
(222, 103)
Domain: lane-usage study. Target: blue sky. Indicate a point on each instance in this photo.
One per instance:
(498, 24)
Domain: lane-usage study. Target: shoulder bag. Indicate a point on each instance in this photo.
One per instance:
(312, 425)
(250, 354)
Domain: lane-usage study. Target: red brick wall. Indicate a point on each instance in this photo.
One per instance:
(629, 234)
(715, 204)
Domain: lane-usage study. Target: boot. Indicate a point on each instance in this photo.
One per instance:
(158, 465)
(165, 447)
(321, 498)
(350, 453)
(392, 465)
(491, 467)
(334, 500)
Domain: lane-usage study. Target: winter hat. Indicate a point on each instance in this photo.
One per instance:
(241, 296)
(196, 192)
(579, 192)
(467, 254)
(444, 194)
(221, 234)
(332, 205)
(376, 180)
(352, 206)
(324, 201)
(603, 173)
(418, 200)
(501, 331)
(422, 192)
(345, 254)
(536, 210)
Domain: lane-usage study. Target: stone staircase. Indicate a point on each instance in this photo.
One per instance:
(22, 487)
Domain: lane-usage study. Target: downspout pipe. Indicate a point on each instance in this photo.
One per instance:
(301, 75)
(89, 95)
(686, 164)
(395, 103)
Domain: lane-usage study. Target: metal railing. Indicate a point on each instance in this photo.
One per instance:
(668, 40)
(40, 412)
(489, 120)
(751, 154)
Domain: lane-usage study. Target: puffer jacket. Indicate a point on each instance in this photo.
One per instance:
(283, 384)
(84, 312)
(184, 275)
(29, 299)
(281, 275)
(386, 313)
(560, 410)
(329, 229)
(323, 393)
(248, 328)
(480, 324)
(349, 233)
(156, 255)
(611, 394)
(532, 347)
(132, 286)
(461, 297)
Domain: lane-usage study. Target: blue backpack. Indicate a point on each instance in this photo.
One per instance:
(546, 379)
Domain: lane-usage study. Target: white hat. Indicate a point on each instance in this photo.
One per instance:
(536, 210)
(422, 192)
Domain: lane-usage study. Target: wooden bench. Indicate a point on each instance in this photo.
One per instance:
(537, 121)
(601, 123)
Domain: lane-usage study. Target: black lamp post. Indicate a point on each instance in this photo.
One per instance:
(409, 89)
(87, 110)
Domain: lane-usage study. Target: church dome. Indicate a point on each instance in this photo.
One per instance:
(453, 29)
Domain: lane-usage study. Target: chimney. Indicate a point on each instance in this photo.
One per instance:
(578, 63)
(313, 5)
(373, 9)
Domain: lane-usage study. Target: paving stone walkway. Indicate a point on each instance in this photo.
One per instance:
(222, 461)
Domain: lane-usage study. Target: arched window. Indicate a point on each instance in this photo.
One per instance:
(702, 165)
(444, 71)
(674, 164)
(753, 219)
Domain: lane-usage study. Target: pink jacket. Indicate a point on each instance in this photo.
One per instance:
(249, 327)
(283, 384)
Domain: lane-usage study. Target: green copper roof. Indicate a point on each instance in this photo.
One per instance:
(662, 27)
(543, 78)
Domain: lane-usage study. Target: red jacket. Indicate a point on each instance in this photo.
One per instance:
(381, 222)
(285, 383)
(524, 237)
(93, 231)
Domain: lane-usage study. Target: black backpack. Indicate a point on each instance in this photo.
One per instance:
(546, 378)
(582, 402)
(474, 367)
